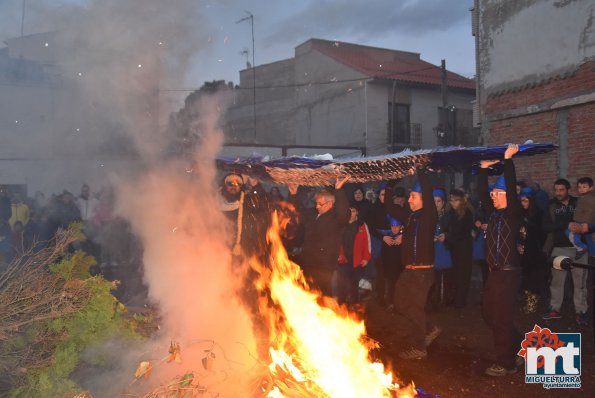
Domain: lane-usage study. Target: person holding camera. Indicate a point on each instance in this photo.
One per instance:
(557, 217)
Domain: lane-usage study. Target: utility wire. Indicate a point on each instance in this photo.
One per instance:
(307, 84)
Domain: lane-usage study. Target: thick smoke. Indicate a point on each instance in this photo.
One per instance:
(188, 264)
(113, 58)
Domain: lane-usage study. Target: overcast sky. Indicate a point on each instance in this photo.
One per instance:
(437, 29)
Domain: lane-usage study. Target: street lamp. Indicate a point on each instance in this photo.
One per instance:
(251, 18)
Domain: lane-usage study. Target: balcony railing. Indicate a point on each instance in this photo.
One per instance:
(404, 136)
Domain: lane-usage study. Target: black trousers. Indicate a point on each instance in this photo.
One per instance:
(411, 294)
(498, 308)
(380, 282)
(321, 279)
(459, 276)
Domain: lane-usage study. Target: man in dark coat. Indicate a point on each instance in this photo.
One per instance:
(323, 227)
(504, 276)
(417, 255)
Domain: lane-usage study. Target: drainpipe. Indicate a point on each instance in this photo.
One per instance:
(563, 161)
(392, 118)
(366, 114)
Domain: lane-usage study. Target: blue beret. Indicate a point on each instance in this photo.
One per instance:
(393, 222)
(439, 192)
(500, 183)
(527, 192)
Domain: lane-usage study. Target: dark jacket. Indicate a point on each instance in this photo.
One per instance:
(556, 218)
(503, 224)
(585, 208)
(419, 226)
(5, 208)
(363, 210)
(459, 229)
(531, 238)
(323, 234)
(256, 219)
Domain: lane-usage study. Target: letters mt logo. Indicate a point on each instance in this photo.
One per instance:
(553, 359)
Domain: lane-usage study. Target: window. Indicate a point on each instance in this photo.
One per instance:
(447, 126)
(398, 116)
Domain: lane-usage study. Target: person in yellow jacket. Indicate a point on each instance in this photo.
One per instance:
(20, 211)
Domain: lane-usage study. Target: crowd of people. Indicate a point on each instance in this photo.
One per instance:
(414, 251)
(29, 223)
(411, 250)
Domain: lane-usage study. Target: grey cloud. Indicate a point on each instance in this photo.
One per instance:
(364, 20)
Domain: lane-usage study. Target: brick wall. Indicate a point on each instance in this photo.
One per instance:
(581, 81)
(543, 127)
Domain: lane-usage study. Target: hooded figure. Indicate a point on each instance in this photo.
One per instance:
(246, 206)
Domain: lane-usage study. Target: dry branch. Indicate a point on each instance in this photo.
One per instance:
(30, 292)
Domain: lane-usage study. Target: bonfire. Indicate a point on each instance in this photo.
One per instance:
(317, 348)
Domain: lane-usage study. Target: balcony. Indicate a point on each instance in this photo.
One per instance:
(404, 136)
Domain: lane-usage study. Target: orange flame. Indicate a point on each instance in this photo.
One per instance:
(329, 355)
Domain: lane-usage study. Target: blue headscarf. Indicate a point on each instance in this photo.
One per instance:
(440, 193)
(527, 192)
(416, 188)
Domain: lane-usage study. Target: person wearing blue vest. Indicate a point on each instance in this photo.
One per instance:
(417, 256)
(504, 215)
(391, 257)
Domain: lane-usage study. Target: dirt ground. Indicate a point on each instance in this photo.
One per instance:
(457, 359)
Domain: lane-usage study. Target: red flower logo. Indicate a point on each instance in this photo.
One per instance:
(538, 338)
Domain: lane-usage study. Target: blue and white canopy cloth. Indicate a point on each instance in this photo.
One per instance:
(317, 171)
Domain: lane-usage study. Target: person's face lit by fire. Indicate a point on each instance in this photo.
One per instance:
(415, 201)
(233, 185)
(561, 192)
(399, 201)
(439, 203)
(583, 188)
(525, 202)
(499, 198)
(395, 229)
(358, 195)
(323, 203)
(381, 196)
(353, 216)
(455, 201)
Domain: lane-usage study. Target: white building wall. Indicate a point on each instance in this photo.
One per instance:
(529, 29)
(53, 136)
(424, 110)
(328, 114)
(377, 118)
(328, 103)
